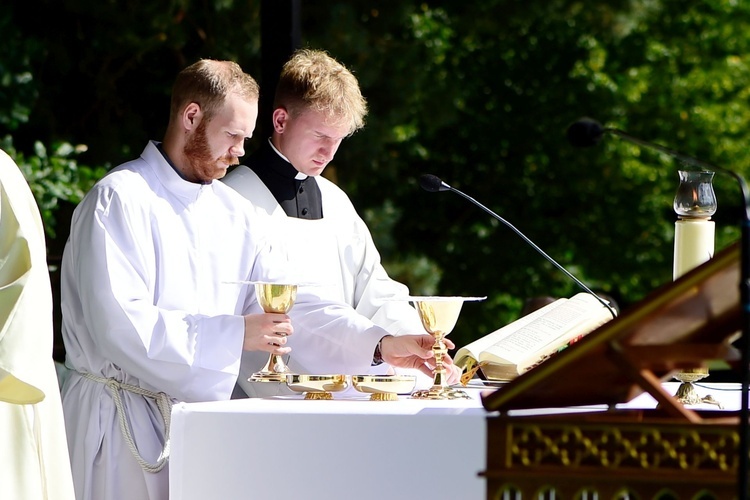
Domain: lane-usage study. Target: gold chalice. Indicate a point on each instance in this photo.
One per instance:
(274, 298)
(439, 315)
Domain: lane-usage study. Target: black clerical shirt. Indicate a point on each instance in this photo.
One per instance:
(298, 197)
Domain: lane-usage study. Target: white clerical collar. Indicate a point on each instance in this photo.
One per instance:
(300, 176)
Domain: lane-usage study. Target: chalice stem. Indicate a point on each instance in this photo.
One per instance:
(439, 350)
(439, 379)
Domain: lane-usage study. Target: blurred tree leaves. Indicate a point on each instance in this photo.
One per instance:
(54, 176)
(478, 93)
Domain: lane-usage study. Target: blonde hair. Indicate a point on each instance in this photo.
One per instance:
(208, 82)
(312, 79)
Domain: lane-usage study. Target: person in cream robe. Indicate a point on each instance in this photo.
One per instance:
(317, 104)
(34, 462)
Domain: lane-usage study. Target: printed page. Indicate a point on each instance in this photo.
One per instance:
(555, 326)
(474, 349)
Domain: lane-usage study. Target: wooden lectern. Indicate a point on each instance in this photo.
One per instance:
(671, 452)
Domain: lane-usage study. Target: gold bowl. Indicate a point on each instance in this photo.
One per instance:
(316, 386)
(384, 387)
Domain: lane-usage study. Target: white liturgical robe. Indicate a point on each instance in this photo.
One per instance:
(34, 461)
(338, 254)
(150, 299)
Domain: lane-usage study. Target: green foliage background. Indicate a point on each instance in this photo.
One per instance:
(478, 93)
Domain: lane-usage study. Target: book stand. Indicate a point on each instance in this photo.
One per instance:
(668, 452)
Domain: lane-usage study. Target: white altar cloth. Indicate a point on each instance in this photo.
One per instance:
(290, 448)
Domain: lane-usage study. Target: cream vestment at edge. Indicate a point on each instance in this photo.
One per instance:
(34, 461)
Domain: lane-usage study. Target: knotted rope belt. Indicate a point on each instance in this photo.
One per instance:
(163, 401)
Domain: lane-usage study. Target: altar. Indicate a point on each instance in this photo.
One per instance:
(596, 420)
(346, 448)
(290, 448)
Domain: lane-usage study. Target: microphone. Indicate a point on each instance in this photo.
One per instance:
(587, 132)
(434, 184)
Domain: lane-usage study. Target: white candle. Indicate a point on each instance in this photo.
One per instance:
(693, 244)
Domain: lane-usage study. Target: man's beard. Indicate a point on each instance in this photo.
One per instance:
(203, 167)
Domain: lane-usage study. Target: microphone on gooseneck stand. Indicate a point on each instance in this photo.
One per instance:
(433, 184)
(587, 132)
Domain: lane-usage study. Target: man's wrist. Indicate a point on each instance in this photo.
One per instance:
(377, 357)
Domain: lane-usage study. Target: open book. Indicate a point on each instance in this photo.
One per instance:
(519, 346)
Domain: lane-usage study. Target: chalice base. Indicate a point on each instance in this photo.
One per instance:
(384, 396)
(440, 392)
(318, 395)
(267, 377)
(274, 371)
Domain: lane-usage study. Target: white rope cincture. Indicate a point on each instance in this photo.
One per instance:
(164, 403)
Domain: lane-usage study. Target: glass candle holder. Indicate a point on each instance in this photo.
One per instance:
(695, 195)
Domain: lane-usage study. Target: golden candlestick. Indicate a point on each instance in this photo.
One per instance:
(274, 298)
(694, 203)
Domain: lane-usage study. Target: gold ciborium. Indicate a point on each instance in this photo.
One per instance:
(274, 298)
(439, 315)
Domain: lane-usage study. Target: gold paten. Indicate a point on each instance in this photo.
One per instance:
(439, 315)
(317, 386)
(274, 298)
(384, 387)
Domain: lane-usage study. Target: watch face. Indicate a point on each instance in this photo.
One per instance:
(377, 357)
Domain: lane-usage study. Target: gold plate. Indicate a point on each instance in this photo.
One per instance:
(316, 386)
(384, 387)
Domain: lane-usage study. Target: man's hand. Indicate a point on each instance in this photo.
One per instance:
(415, 351)
(267, 332)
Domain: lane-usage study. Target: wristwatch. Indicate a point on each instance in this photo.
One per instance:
(377, 357)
